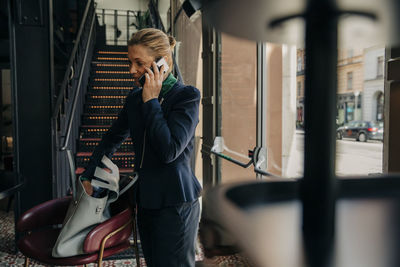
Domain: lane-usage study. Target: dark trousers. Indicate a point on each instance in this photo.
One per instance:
(168, 235)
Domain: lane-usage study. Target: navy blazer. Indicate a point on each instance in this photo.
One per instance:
(162, 131)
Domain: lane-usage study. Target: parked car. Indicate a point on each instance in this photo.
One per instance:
(361, 130)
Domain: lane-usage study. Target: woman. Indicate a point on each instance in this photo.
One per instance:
(161, 118)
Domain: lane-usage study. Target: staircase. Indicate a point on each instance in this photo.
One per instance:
(110, 82)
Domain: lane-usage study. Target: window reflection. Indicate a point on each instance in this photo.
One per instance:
(360, 106)
(359, 147)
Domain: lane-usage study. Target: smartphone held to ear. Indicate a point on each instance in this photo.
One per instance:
(161, 62)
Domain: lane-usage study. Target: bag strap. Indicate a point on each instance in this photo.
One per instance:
(108, 180)
(72, 172)
(131, 181)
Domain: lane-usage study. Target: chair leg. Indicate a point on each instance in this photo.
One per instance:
(26, 262)
(104, 241)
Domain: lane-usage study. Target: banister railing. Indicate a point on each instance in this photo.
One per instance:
(69, 73)
(120, 24)
(69, 102)
(78, 89)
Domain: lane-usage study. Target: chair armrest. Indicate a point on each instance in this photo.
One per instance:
(48, 213)
(96, 235)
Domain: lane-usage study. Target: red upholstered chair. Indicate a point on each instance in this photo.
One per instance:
(106, 239)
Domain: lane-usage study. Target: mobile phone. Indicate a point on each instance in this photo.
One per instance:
(161, 62)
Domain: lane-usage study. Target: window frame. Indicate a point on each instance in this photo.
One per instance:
(349, 80)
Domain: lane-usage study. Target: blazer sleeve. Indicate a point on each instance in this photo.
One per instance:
(171, 136)
(110, 142)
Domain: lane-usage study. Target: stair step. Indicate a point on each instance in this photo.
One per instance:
(102, 99)
(111, 74)
(110, 54)
(108, 58)
(121, 159)
(104, 93)
(116, 154)
(112, 48)
(93, 119)
(80, 170)
(124, 88)
(116, 88)
(89, 144)
(104, 52)
(99, 139)
(125, 84)
(110, 80)
(100, 116)
(111, 94)
(102, 109)
(112, 85)
(116, 66)
(87, 131)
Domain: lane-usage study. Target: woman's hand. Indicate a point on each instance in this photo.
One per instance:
(153, 83)
(88, 187)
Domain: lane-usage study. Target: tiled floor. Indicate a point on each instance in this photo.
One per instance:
(8, 256)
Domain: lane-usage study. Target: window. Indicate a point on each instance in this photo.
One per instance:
(299, 64)
(379, 107)
(349, 80)
(352, 124)
(298, 89)
(362, 124)
(238, 110)
(379, 72)
(350, 111)
(358, 86)
(359, 101)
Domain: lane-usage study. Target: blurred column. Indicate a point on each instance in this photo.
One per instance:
(391, 145)
(356, 116)
(290, 157)
(274, 108)
(31, 57)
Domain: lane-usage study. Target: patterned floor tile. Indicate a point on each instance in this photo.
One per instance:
(8, 256)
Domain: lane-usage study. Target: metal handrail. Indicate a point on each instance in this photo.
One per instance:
(61, 94)
(71, 164)
(71, 116)
(12, 190)
(245, 165)
(65, 110)
(117, 13)
(241, 164)
(255, 155)
(121, 10)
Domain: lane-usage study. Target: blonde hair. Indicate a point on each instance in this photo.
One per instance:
(157, 42)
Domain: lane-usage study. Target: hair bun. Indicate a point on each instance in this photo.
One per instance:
(172, 41)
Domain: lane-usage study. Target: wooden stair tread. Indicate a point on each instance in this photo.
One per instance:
(80, 170)
(89, 154)
(99, 139)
